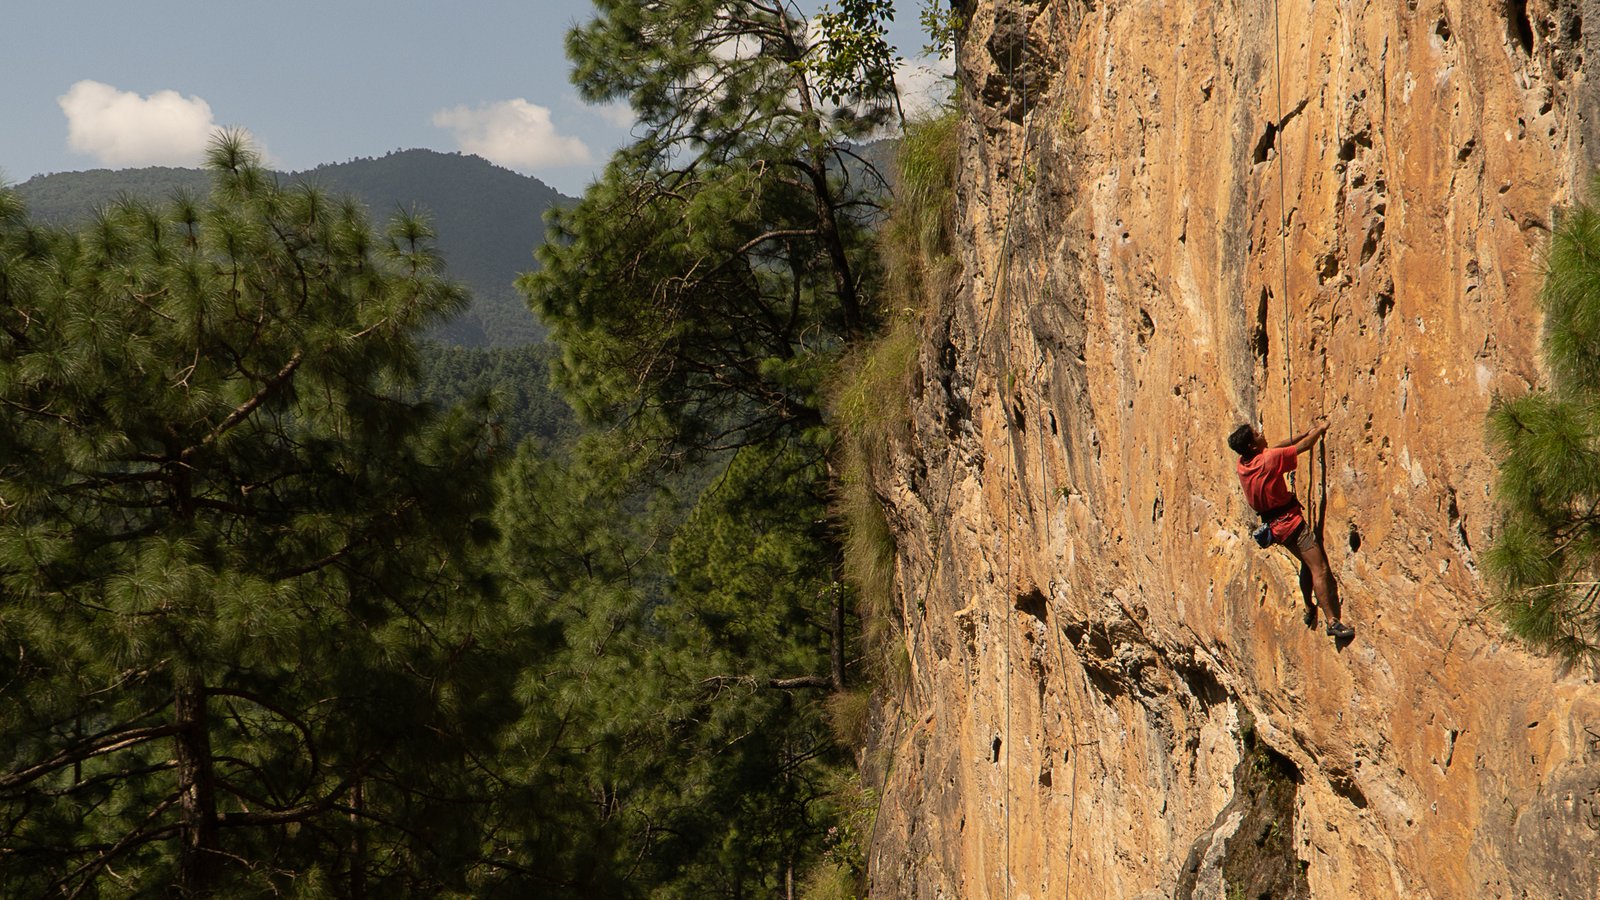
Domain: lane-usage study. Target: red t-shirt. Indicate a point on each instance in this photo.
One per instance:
(1264, 487)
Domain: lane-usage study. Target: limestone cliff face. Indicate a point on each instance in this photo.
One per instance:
(1090, 628)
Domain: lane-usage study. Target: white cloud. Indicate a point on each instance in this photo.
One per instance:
(121, 128)
(617, 115)
(513, 133)
(924, 84)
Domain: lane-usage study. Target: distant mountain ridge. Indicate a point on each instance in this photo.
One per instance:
(489, 220)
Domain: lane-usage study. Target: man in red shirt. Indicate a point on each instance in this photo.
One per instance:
(1261, 472)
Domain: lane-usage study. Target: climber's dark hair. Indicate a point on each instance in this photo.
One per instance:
(1243, 440)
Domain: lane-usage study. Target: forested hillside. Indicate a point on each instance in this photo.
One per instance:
(293, 601)
(511, 385)
(489, 220)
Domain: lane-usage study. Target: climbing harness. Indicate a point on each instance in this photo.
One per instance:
(1263, 533)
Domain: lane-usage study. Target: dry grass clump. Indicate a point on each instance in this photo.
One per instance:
(849, 715)
(918, 242)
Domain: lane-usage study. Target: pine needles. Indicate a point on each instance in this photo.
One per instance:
(1545, 561)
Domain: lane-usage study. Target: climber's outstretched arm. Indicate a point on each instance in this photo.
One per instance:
(1306, 441)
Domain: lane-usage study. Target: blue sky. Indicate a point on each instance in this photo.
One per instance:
(117, 83)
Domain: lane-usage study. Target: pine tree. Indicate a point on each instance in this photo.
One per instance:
(1545, 560)
(662, 748)
(694, 287)
(239, 579)
(701, 291)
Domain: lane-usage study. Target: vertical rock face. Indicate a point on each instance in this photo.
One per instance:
(1178, 216)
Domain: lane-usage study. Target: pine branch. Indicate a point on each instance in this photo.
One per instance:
(800, 682)
(249, 406)
(280, 712)
(123, 775)
(135, 838)
(326, 803)
(223, 506)
(43, 413)
(342, 552)
(692, 281)
(100, 746)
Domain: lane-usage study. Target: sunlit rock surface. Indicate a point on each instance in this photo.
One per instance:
(1089, 624)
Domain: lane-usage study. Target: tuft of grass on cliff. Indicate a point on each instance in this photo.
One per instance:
(871, 396)
(870, 408)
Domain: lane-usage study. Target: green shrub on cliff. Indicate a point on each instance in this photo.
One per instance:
(1545, 561)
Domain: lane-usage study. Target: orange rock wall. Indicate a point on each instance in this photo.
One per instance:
(1087, 619)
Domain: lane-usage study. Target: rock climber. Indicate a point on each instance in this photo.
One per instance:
(1261, 473)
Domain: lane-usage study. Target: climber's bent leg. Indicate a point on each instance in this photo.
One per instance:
(1305, 546)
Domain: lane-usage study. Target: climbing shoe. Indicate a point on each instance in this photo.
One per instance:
(1339, 631)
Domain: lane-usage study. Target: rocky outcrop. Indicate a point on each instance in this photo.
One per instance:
(1162, 238)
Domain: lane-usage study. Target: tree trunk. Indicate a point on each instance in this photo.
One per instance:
(199, 857)
(844, 283)
(358, 845)
(828, 224)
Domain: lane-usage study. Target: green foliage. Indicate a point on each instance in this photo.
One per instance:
(660, 325)
(752, 563)
(1545, 561)
(752, 599)
(870, 405)
(871, 413)
(853, 59)
(587, 767)
(260, 633)
(850, 716)
(841, 872)
(943, 26)
(662, 682)
(698, 288)
(241, 579)
(700, 293)
(694, 70)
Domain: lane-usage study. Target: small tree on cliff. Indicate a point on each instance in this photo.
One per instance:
(1545, 562)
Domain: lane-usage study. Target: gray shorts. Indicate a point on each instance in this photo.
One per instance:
(1303, 538)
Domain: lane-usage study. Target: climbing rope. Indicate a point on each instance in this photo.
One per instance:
(999, 298)
(1054, 616)
(1346, 40)
(1283, 225)
(1316, 500)
(1008, 251)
